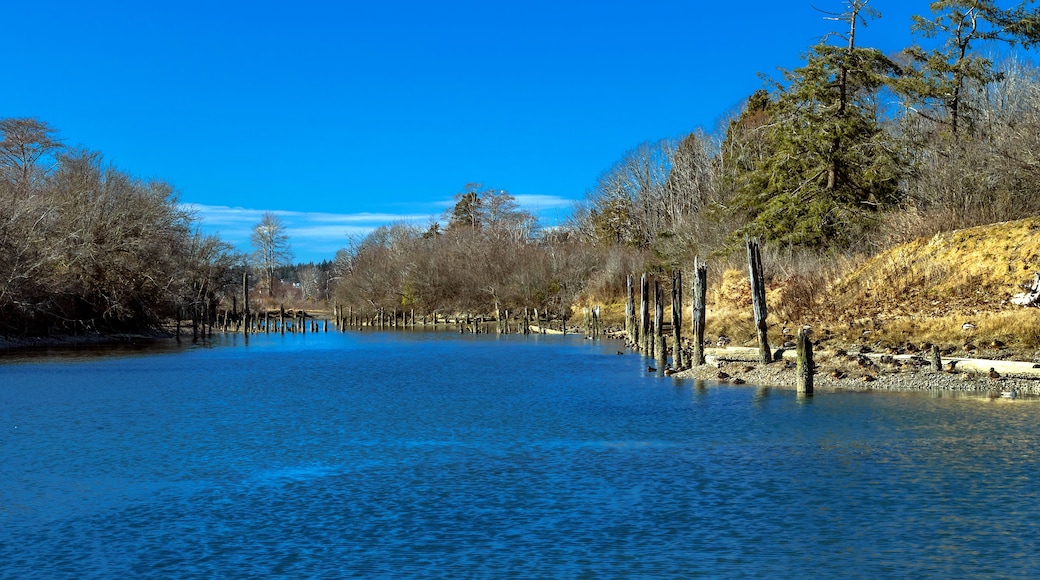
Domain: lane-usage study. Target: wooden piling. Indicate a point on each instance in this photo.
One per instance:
(644, 316)
(630, 314)
(699, 310)
(805, 363)
(937, 365)
(660, 347)
(245, 301)
(758, 298)
(677, 354)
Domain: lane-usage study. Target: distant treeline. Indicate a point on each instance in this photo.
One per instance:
(490, 256)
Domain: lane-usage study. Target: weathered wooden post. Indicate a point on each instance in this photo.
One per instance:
(758, 298)
(936, 359)
(644, 316)
(245, 302)
(660, 347)
(699, 310)
(281, 319)
(303, 322)
(677, 354)
(805, 363)
(630, 314)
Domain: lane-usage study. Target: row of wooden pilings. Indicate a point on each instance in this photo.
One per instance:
(264, 322)
(530, 321)
(646, 334)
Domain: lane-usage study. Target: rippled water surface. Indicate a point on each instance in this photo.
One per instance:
(442, 456)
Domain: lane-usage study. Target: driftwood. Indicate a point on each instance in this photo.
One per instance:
(1032, 296)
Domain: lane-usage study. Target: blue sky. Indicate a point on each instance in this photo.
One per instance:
(341, 116)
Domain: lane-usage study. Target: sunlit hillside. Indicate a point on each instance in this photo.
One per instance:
(922, 291)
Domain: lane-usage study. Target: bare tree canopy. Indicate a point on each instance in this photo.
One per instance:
(271, 248)
(25, 143)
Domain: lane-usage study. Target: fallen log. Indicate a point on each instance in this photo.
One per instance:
(1031, 297)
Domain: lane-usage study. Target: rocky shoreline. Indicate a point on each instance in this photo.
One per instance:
(836, 373)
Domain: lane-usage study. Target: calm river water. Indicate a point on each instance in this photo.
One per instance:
(442, 456)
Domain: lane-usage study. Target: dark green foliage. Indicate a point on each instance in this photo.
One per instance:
(825, 167)
(937, 79)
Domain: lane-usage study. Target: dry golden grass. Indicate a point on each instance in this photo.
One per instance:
(926, 290)
(964, 271)
(920, 292)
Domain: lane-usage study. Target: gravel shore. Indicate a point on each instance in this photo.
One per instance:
(839, 374)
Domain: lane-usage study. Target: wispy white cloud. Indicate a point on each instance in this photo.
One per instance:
(316, 236)
(537, 202)
(313, 235)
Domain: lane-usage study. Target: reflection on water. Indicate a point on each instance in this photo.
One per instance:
(440, 455)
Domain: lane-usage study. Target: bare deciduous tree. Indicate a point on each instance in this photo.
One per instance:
(271, 248)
